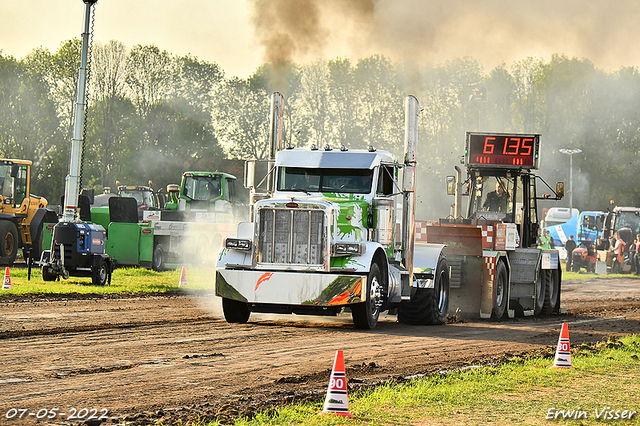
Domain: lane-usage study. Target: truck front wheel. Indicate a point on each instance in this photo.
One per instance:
(235, 312)
(365, 315)
(428, 306)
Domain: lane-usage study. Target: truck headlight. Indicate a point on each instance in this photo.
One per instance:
(346, 249)
(237, 244)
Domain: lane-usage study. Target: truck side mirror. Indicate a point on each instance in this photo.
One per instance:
(560, 190)
(451, 185)
(249, 173)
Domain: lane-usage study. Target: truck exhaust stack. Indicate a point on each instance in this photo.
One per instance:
(412, 109)
(275, 133)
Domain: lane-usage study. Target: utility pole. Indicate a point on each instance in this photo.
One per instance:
(570, 153)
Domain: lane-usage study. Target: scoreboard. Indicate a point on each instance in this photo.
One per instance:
(504, 150)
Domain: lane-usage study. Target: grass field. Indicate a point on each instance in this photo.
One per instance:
(583, 275)
(124, 280)
(602, 387)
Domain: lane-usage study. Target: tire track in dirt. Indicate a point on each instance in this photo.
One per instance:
(149, 358)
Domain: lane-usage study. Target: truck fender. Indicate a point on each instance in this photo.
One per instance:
(43, 215)
(362, 263)
(235, 257)
(425, 257)
(229, 258)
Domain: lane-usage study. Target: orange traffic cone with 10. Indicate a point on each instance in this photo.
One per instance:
(6, 285)
(563, 351)
(337, 401)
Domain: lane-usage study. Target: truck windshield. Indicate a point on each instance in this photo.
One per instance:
(144, 198)
(202, 188)
(491, 197)
(7, 182)
(350, 181)
(628, 220)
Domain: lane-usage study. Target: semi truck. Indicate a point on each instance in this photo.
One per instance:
(496, 268)
(329, 236)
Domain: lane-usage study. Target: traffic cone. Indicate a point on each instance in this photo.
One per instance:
(6, 285)
(183, 278)
(563, 352)
(337, 401)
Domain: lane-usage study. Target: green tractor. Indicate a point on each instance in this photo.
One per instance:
(206, 191)
(198, 214)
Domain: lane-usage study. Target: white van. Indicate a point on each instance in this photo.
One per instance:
(557, 215)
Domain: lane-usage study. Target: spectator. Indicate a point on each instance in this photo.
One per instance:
(552, 244)
(618, 251)
(638, 255)
(543, 241)
(633, 255)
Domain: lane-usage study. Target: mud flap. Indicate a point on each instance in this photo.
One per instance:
(489, 263)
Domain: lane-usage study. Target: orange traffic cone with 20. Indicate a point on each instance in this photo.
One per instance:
(6, 285)
(183, 278)
(563, 351)
(337, 401)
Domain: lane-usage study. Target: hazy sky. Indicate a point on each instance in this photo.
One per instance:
(239, 35)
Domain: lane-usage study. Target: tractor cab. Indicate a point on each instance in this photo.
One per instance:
(500, 183)
(146, 198)
(14, 185)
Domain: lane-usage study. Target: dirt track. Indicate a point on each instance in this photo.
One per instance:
(144, 359)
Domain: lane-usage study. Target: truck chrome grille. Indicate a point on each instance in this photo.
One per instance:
(291, 237)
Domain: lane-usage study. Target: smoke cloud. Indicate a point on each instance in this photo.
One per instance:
(491, 31)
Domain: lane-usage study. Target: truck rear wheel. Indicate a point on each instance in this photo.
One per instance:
(428, 306)
(157, 262)
(501, 297)
(365, 315)
(8, 243)
(235, 312)
(552, 290)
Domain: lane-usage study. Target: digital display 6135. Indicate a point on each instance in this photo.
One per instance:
(502, 150)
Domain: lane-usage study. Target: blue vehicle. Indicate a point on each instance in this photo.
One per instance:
(588, 233)
(585, 227)
(590, 225)
(560, 233)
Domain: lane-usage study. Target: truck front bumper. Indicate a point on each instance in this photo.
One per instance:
(290, 288)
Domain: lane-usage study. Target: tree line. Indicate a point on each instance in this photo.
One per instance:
(152, 115)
